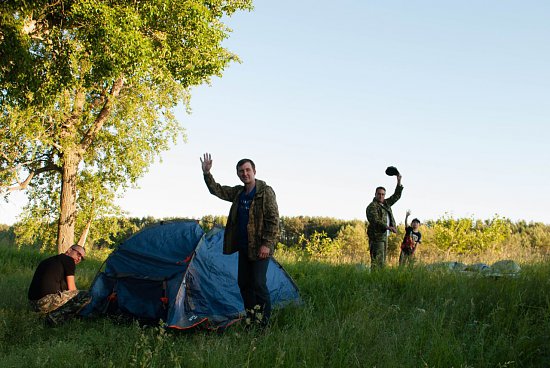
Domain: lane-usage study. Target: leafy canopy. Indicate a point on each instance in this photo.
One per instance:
(93, 84)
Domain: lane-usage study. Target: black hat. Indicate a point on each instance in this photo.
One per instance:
(392, 171)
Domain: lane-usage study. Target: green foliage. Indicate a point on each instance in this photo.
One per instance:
(352, 243)
(108, 232)
(7, 236)
(36, 230)
(105, 232)
(209, 221)
(292, 228)
(534, 235)
(394, 242)
(88, 92)
(467, 235)
(349, 243)
(317, 245)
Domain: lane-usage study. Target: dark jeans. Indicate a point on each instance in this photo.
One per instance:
(252, 281)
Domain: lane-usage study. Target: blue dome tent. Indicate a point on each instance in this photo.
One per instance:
(175, 272)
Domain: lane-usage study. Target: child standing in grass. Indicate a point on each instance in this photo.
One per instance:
(412, 238)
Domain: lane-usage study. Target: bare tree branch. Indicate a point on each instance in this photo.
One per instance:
(21, 185)
(84, 235)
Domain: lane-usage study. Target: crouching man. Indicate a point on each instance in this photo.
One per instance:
(53, 286)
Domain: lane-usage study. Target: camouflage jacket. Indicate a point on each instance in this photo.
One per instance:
(263, 221)
(377, 215)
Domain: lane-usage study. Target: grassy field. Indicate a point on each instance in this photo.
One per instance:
(351, 318)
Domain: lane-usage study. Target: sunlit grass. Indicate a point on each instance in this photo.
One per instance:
(409, 317)
(429, 255)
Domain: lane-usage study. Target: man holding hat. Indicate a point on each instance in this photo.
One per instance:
(53, 283)
(381, 221)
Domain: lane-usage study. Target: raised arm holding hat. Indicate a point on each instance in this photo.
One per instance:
(381, 223)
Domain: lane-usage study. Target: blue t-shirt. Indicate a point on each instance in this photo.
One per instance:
(243, 213)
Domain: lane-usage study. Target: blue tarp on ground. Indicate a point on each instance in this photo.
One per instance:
(175, 272)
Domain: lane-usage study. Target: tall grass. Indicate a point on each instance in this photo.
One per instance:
(408, 317)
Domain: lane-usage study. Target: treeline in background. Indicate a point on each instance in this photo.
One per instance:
(329, 239)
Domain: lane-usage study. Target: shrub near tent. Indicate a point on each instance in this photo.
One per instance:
(177, 273)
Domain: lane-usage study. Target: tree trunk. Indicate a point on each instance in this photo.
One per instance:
(67, 214)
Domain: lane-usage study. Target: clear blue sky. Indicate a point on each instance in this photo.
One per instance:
(455, 94)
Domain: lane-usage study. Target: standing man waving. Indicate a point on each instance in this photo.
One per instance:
(381, 222)
(252, 230)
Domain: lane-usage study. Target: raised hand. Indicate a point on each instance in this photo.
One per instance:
(206, 162)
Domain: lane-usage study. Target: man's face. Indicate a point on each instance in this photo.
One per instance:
(380, 195)
(415, 225)
(246, 173)
(75, 255)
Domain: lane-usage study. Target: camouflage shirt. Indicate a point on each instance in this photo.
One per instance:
(378, 213)
(263, 221)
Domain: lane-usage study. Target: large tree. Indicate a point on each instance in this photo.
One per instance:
(88, 89)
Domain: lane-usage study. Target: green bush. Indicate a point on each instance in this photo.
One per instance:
(466, 235)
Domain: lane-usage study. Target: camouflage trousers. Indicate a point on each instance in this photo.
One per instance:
(378, 250)
(51, 302)
(61, 306)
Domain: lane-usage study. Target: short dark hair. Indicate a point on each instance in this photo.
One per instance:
(379, 188)
(415, 220)
(244, 161)
(79, 249)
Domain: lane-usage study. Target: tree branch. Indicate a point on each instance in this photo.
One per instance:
(84, 235)
(21, 185)
(103, 114)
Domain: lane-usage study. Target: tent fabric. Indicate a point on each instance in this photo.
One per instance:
(177, 273)
(158, 251)
(210, 286)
